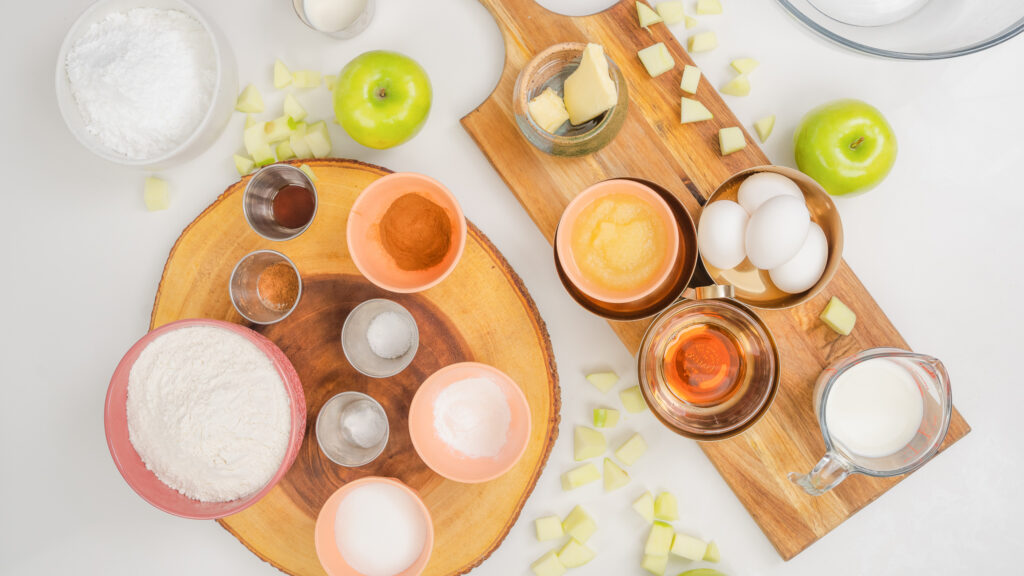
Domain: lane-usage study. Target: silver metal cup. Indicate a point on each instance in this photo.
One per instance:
(258, 200)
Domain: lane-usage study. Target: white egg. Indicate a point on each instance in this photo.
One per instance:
(776, 232)
(763, 186)
(720, 234)
(803, 271)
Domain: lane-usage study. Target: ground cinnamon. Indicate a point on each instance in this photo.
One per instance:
(278, 287)
(416, 232)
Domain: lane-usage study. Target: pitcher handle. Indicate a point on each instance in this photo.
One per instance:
(827, 473)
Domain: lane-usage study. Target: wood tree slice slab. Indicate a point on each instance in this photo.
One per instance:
(481, 312)
(685, 160)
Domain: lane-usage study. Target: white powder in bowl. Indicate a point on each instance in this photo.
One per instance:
(472, 416)
(143, 80)
(379, 529)
(208, 413)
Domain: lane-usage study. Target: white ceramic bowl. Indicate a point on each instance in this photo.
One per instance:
(224, 94)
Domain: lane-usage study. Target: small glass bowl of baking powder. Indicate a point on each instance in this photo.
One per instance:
(380, 338)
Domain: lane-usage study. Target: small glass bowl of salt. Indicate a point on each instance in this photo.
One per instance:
(352, 429)
(380, 338)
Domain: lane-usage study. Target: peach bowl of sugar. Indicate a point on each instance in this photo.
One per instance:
(470, 422)
(363, 233)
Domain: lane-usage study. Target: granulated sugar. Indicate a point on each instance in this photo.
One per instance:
(143, 80)
(472, 416)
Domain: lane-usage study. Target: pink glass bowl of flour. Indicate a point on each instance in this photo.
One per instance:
(470, 422)
(144, 482)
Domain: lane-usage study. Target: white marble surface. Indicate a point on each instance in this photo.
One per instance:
(938, 246)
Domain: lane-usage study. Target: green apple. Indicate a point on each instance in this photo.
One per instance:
(846, 145)
(382, 98)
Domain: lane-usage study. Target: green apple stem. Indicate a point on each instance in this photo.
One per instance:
(856, 143)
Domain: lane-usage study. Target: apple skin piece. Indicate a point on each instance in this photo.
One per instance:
(654, 564)
(659, 539)
(764, 127)
(292, 109)
(243, 164)
(605, 417)
(579, 524)
(712, 554)
(614, 476)
(838, 317)
(744, 65)
(665, 507)
(691, 22)
(702, 42)
(731, 140)
(846, 145)
(580, 476)
(282, 76)
(155, 194)
(306, 78)
(589, 91)
(656, 59)
(548, 565)
(250, 101)
(644, 506)
(633, 400)
(284, 151)
(691, 79)
(548, 110)
(382, 99)
(705, 7)
(693, 111)
(738, 86)
(631, 450)
(646, 15)
(671, 12)
(603, 381)
(319, 140)
(575, 554)
(309, 172)
(588, 443)
(549, 528)
(688, 547)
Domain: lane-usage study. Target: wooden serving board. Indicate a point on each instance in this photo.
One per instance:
(481, 312)
(684, 159)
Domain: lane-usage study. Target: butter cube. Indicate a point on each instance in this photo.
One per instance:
(671, 12)
(579, 524)
(688, 547)
(764, 127)
(646, 15)
(575, 554)
(657, 59)
(694, 111)
(655, 564)
(691, 79)
(548, 565)
(589, 91)
(731, 140)
(702, 42)
(738, 86)
(744, 65)
(838, 317)
(548, 110)
(155, 194)
(548, 527)
(709, 7)
(580, 476)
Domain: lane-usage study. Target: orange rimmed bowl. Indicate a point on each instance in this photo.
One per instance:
(363, 232)
(585, 199)
(444, 459)
(325, 538)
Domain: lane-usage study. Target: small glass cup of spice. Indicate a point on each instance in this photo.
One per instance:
(279, 202)
(265, 287)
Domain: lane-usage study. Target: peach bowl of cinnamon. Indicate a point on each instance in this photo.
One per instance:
(406, 232)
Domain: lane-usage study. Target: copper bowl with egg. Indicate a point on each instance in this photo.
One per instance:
(753, 286)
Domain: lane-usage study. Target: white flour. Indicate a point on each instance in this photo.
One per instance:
(472, 416)
(208, 413)
(143, 80)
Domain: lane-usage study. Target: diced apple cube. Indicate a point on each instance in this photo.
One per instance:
(548, 110)
(580, 476)
(691, 79)
(155, 194)
(309, 172)
(693, 111)
(709, 7)
(306, 78)
(659, 540)
(250, 101)
(764, 127)
(282, 76)
(292, 109)
(548, 565)
(656, 59)
(671, 12)
(284, 151)
(299, 146)
(548, 527)
(603, 381)
(738, 86)
(579, 524)
(575, 554)
(712, 554)
(614, 476)
(588, 443)
(744, 65)
(691, 22)
(665, 507)
(249, 120)
(633, 400)
(264, 156)
(631, 450)
(644, 506)
(646, 15)
(689, 547)
(255, 140)
(243, 164)
(702, 42)
(702, 572)
(330, 80)
(319, 140)
(605, 417)
(838, 317)
(589, 91)
(276, 130)
(654, 564)
(731, 140)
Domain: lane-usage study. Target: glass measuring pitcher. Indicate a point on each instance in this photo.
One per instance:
(864, 438)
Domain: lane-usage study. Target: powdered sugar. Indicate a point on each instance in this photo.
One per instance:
(143, 80)
(208, 413)
(472, 416)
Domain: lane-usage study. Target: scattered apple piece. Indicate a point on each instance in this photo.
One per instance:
(548, 527)
(614, 476)
(588, 443)
(548, 565)
(691, 22)
(306, 78)
(250, 101)
(659, 540)
(688, 547)
(249, 120)
(319, 140)
(655, 564)
(631, 450)
(580, 476)
(691, 79)
(603, 381)
(665, 507)
(155, 194)
(709, 7)
(243, 164)
(738, 86)
(589, 91)
(702, 572)
(309, 172)
(838, 317)
(731, 140)
(282, 76)
(702, 42)
(712, 554)
(644, 506)
(646, 15)
(284, 151)
(298, 140)
(764, 127)
(579, 524)
(605, 417)
(255, 140)
(744, 65)
(276, 130)
(633, 400)
(548, 110)
(694, 111)
(292, 109)
(575, 554)
(656, 59)
(330, 80)
(671, 12)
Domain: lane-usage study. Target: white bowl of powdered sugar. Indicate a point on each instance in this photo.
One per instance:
(145, 83)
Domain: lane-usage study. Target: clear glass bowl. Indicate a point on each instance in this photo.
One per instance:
(550, 68)
(939, 29)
